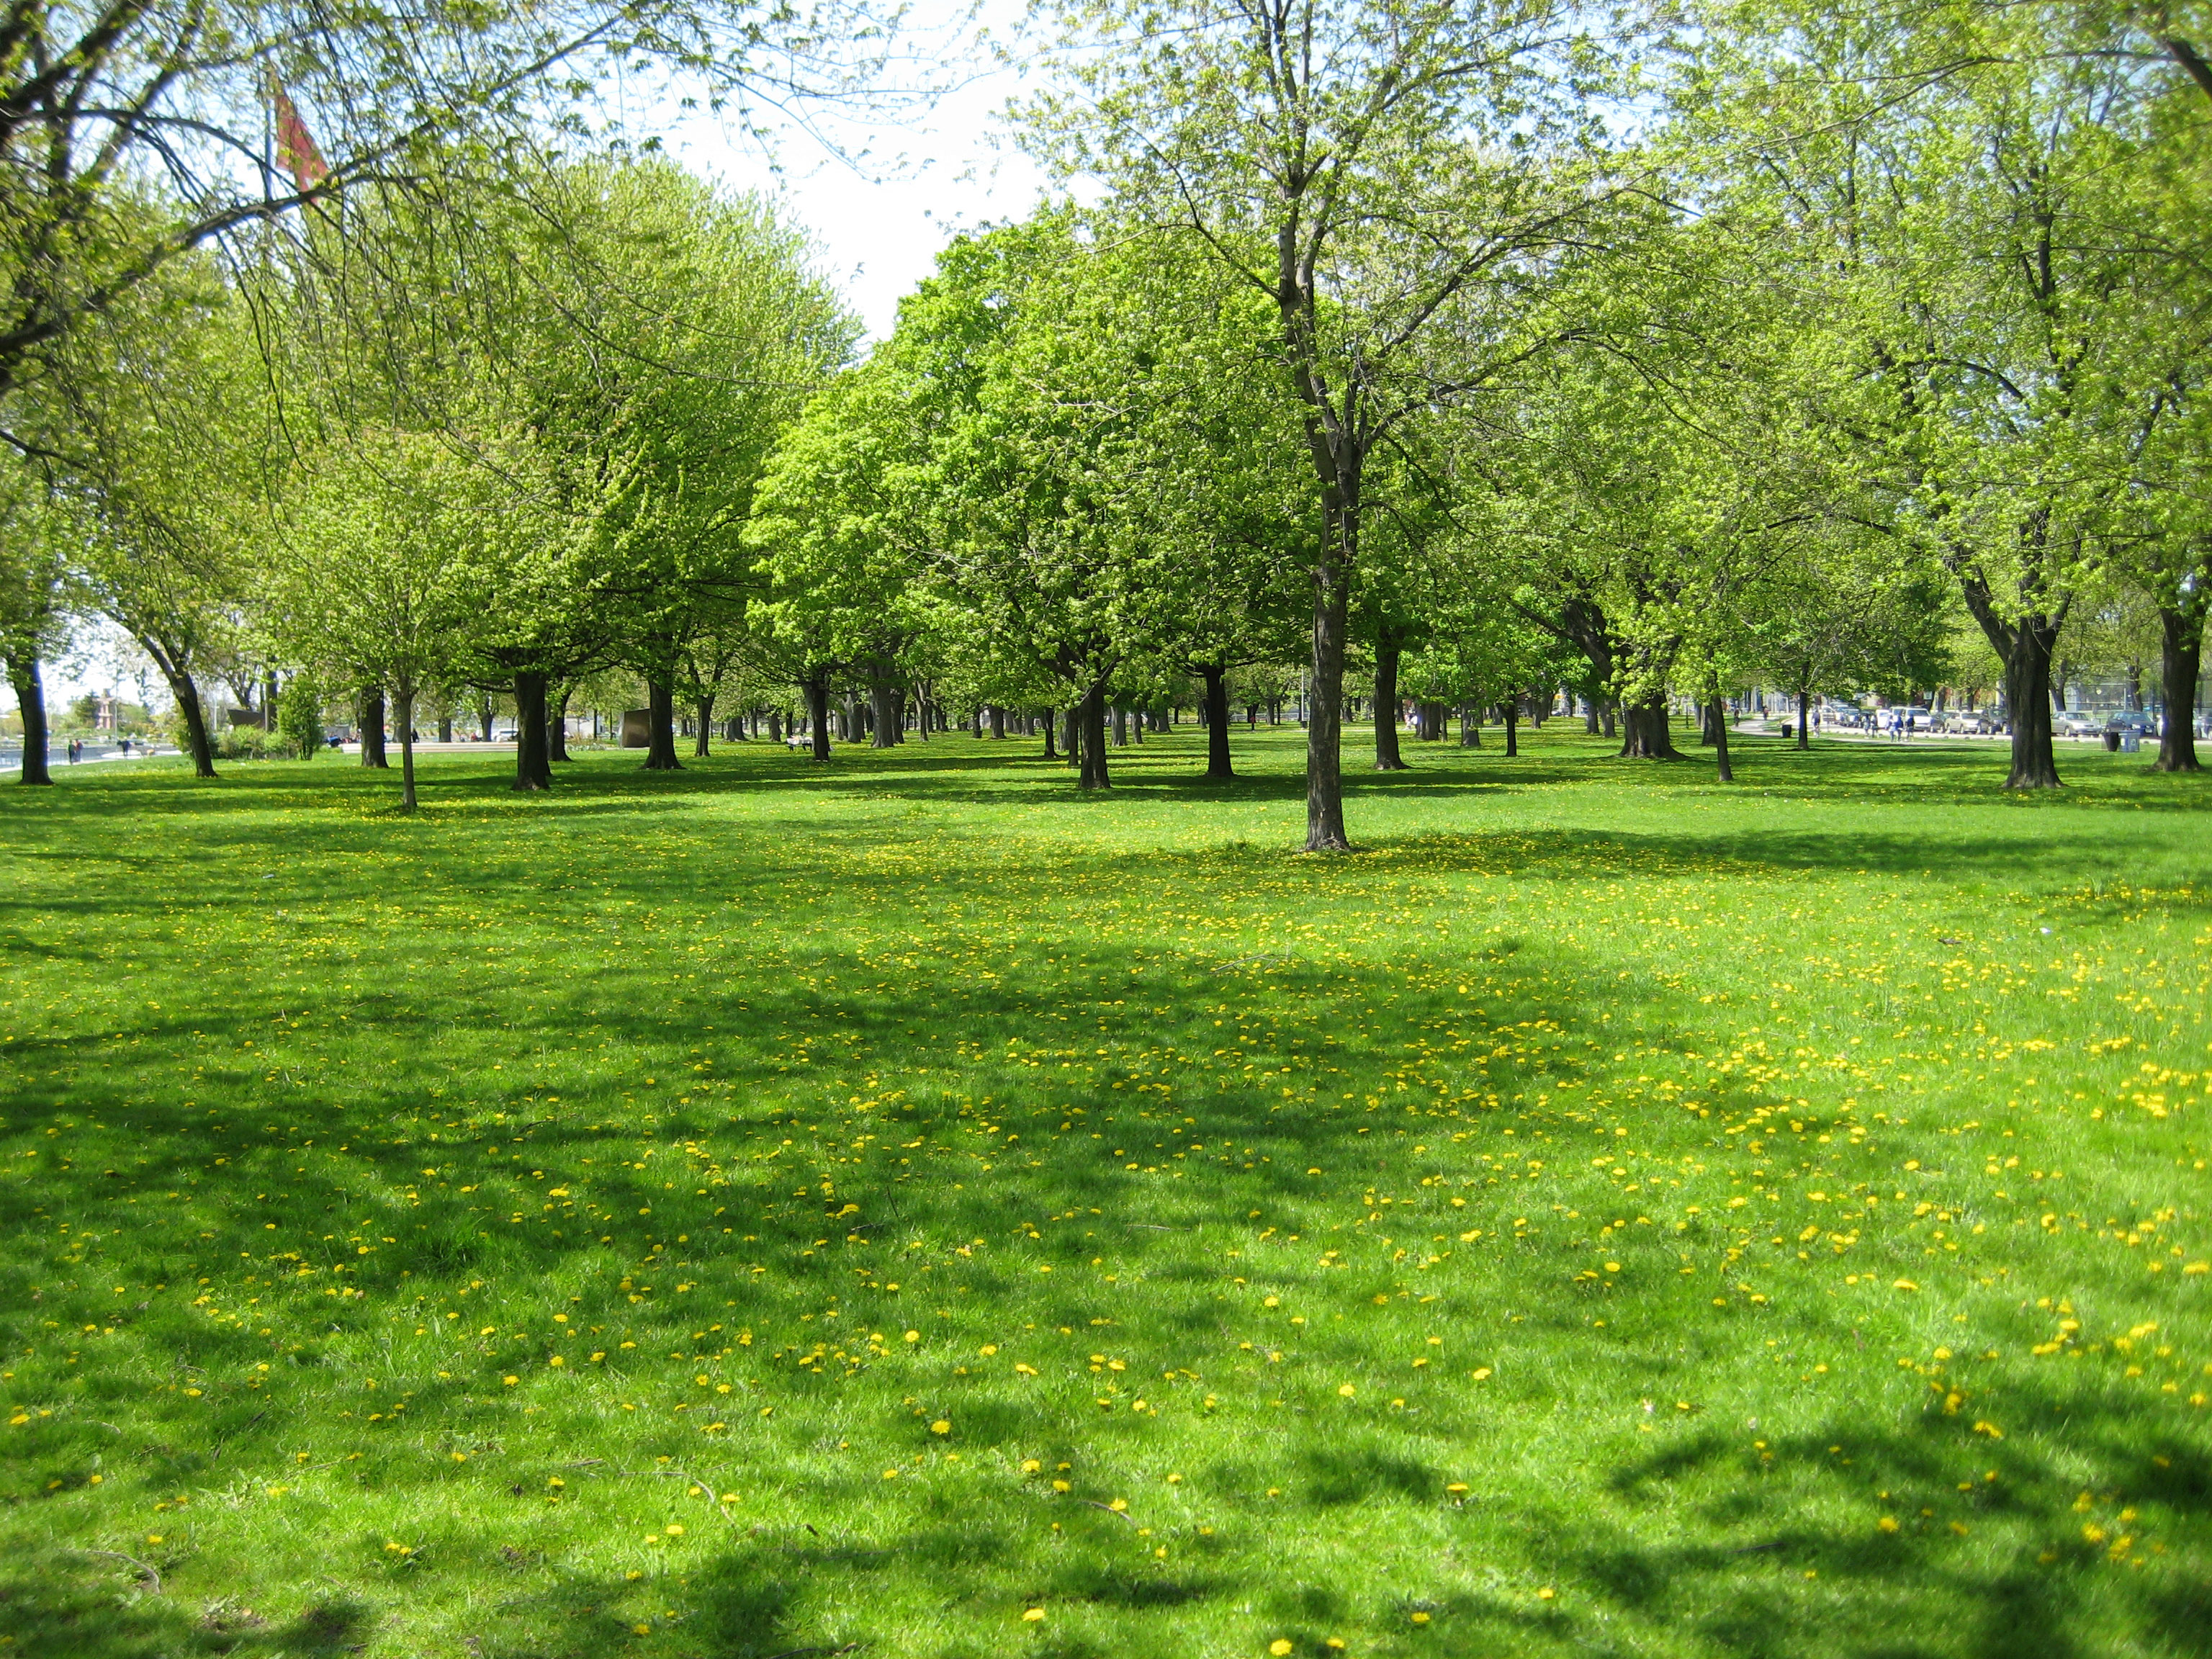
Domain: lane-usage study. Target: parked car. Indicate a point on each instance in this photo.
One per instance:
(2076, 725)
(2141, 721)
(1969, 721)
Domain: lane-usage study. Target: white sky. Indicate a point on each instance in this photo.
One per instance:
(881, 201)
(881, 217)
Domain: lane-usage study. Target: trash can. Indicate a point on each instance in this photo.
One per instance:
(2113, 741)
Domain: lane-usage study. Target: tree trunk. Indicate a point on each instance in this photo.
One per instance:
(1606, 721)
(445, 729)
(1215, 716)
(1325, 729)
(371, 709)
(1071, 734)
(2181, 649)
(485, 709)
(886, 710)
(1716, 719)
(1387, 758)
(2027, 700)
(403, 706)
(1589, 716)
(998, 721)
(197, 742)
(1090, 725)
(557, 727)
(30, 700)
(533, 759)
(818, 716)
(1512, 727)
(1050, 726)
(1804, 717)
(2023, 646)
(1470, 726)
(1645, 733)
(660, 727)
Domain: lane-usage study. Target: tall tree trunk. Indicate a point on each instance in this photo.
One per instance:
(660, 727)
(2181, 646)
(484, 709)
(1325, 727)
(998, 721)
(887, 711)
(1606, 721)
(1644, 732)
(198, 742)
(372, 727)
(1091, 727)
(1216, 717)
(1804, 716)
(1120, 724)
(402, 707)
(1050, 726)
(1387, 758)
(705, 703)
(1470, 726)
(533, 757)
(1512, 727)
(30, 700)
(818, 716)
(1716, 719)
(1589, 716)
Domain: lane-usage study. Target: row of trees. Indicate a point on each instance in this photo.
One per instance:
(1458, 343)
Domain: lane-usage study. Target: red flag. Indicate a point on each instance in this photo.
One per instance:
(295, 148)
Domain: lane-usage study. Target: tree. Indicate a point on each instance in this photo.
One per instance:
(1975, 231)
(840, 538)
(1399, 179)
(171, 438)
(385, 544)
(95, 99)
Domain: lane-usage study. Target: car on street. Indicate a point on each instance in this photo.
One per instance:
(2141, 721)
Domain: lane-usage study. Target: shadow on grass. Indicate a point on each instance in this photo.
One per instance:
(99, 1604)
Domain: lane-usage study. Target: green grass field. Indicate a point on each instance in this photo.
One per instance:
(907, 1209)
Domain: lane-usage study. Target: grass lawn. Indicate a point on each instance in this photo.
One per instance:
(904, 1208)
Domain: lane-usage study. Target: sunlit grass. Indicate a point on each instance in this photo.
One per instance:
(764, 1209)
